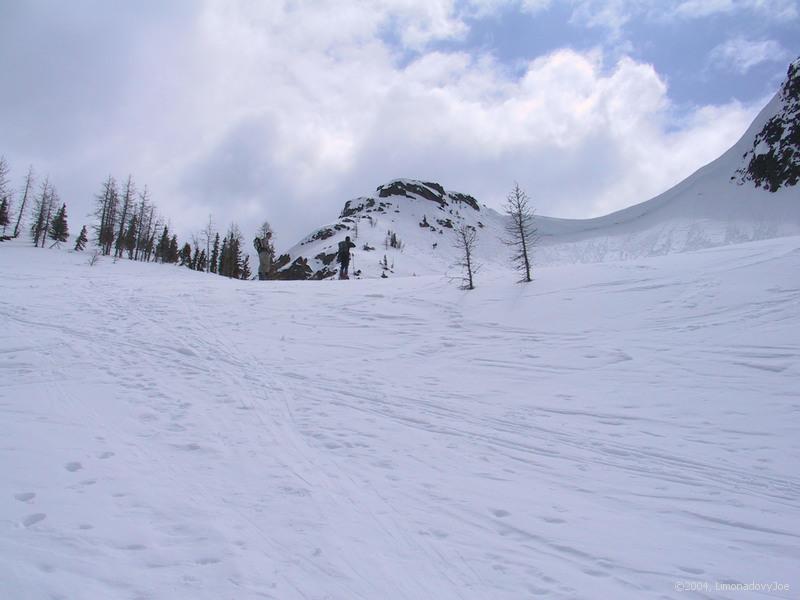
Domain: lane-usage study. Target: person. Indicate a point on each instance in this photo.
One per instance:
(264, 249)
(343, 257)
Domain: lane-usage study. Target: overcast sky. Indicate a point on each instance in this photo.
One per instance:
(283, 110)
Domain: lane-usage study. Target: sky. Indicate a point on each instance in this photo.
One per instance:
(282, 110)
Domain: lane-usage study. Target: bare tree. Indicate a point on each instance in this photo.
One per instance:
(144, 219)
(127, 207)
(208, 235)
(521, 230)
(53, 198)
(41, 211)
(106, 211)
(25, 195)
(466, 240)
(5, 193)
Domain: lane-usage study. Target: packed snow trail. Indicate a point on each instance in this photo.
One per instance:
(608, 431)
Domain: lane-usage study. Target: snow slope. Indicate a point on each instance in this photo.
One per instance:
(709, 208)
(611, 431)
(423, 215)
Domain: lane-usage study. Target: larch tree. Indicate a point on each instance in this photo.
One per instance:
(28, 190)
(4, 218)
(126, 207)
(48, 217)
(208, 235)
(106, 211)
(465, 242)
(5, 194)
(520, 230)
(40, 211)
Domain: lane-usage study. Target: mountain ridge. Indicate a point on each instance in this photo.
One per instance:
(748, 193)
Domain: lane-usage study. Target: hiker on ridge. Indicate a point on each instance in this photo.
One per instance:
(343, 257)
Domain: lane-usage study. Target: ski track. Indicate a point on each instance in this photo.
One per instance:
(602, 433)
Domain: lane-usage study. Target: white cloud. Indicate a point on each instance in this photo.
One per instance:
(771, 9)
(253, 110)
(741, 55)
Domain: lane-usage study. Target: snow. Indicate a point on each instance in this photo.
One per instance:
(604, 432)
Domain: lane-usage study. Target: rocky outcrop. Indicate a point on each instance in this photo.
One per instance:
(774, 160)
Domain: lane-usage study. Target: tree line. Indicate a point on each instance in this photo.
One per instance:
(128, 225)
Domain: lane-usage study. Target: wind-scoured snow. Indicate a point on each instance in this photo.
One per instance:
(609, 431)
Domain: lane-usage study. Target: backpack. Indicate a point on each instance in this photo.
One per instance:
(343, 255)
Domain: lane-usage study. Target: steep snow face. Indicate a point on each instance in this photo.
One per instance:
(406, 228)
(774, 160)
(724, 202)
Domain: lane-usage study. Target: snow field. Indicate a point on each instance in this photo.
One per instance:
(605, 432)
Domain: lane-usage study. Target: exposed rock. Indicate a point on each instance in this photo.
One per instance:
(298, 270)
(774, 160)
(445, 223)
(326, 259)
(466, 199)
(430, 191)
(322, 234)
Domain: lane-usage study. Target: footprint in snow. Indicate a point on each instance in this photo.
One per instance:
(692, 570)
(500, 513)
(25, 496)
(73, 466)
(33, 519)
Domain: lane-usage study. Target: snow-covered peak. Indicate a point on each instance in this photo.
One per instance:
(404, 228)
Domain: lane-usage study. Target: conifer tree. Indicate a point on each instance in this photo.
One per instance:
(231, 257)
(195, 259)
(131, 235)
(162, 248)
(246, 268)
(214, 262)
(59, 230)
(202, 261)
(223, 257)
(185, 255)
(173, 250)
(80, 243)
